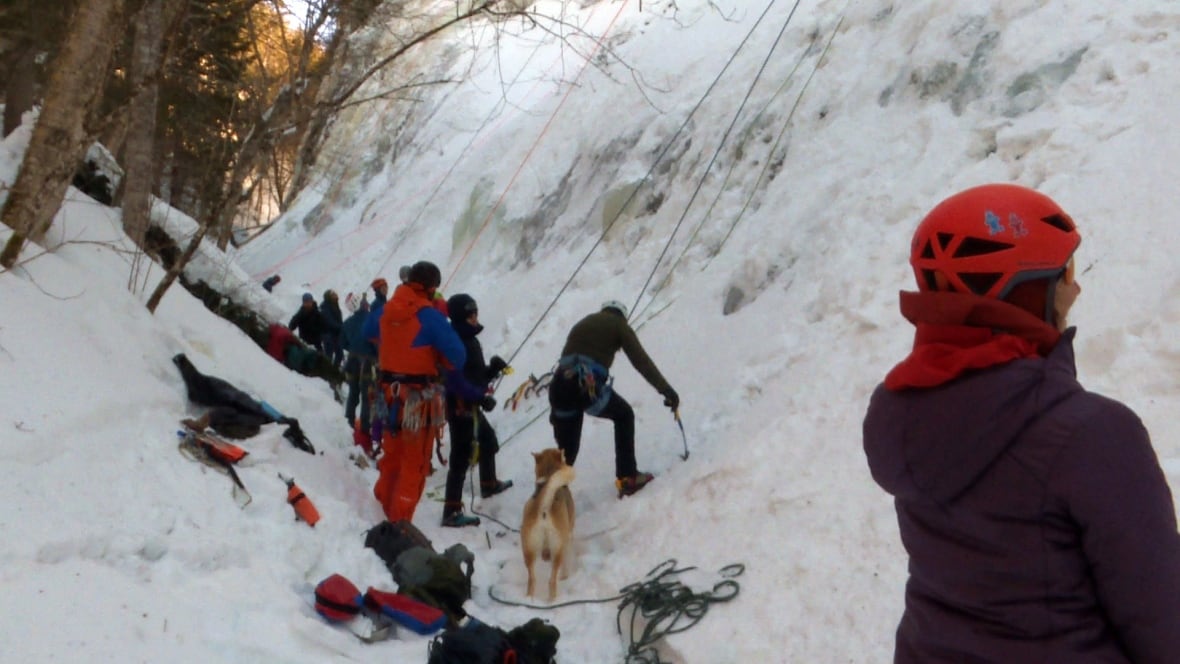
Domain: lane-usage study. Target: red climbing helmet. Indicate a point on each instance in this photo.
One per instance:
(987, 239)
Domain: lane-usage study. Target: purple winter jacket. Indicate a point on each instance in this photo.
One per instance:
(1038, 523)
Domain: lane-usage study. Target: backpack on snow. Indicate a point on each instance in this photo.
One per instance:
(535, 642)
(440, 580)
(474, 643)
(389, 539)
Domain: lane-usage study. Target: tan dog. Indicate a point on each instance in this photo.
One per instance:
(548, 523)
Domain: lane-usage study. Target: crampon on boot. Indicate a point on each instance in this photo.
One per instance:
(631, 485)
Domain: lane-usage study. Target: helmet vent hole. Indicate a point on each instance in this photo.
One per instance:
(931, 280)
(944, 240)
(1059, 221)
(974, 246)
(927, 251)
(980, 282)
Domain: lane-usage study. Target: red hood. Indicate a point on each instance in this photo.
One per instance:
(957, 332)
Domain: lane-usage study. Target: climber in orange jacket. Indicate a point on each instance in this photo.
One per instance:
(416, 341)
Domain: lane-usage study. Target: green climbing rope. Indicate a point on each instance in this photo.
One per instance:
(665, 604)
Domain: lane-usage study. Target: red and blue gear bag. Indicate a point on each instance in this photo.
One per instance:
(406, 611)
(337, 599)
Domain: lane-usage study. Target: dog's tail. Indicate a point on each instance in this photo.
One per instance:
(561, 477)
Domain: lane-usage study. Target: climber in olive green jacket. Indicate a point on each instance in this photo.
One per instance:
(581, 385)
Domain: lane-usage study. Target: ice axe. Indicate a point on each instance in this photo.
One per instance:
(683, 436)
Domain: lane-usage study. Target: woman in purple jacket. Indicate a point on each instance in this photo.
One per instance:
(1038, 523)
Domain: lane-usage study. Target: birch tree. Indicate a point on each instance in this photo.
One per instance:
(61, 136)
(151, 25)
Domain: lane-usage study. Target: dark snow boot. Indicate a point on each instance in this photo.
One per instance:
(453, 516)
(489, 490)
(630, 485)
(459, 520)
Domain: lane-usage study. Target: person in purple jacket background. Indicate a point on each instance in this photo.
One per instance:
(1038, 523)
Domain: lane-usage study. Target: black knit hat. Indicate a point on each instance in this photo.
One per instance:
(460, 306)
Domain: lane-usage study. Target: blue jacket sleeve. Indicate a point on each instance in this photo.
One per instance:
(372, 327)
(459, 386)
(437, 332)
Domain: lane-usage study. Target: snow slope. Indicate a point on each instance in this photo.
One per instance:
(774, 332)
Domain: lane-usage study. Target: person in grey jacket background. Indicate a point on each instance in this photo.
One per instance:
(1038, 523)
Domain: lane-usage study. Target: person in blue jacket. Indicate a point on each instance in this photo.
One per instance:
(359, 370)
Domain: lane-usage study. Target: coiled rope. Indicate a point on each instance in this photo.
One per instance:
(660, 605)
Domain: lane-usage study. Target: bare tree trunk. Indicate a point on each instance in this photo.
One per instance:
(254, 149)
(18, 94)
(177, 268)
(60, 138)
(150, 27)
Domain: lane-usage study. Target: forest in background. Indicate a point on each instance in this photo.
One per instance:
(215, 107)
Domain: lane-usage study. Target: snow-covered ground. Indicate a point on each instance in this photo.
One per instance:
(781, 202)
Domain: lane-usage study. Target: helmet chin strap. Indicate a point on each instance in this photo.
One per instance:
(1051, 303)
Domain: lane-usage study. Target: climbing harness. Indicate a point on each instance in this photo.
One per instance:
(413, 404)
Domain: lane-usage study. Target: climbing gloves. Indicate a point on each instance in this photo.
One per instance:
(488, 403)
(671, 399)
(496, 365)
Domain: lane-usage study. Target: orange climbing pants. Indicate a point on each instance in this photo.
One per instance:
(402, 468)
(405, 458)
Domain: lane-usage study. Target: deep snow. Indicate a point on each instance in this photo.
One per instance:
(116, 548)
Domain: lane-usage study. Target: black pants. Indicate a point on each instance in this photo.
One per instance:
(333, 350)
(464, 431)
(567, 404)
(359, 370)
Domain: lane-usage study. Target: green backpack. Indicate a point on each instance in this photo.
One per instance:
(440, 580)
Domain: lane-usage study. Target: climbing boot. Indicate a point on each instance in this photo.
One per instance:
(459, 520)
(487, 490)
(631, 485)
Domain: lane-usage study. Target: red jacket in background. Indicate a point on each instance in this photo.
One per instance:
(280, 337)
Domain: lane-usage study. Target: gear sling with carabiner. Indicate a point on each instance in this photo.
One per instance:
(414, 419)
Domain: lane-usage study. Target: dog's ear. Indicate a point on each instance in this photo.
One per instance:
(536, 455)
